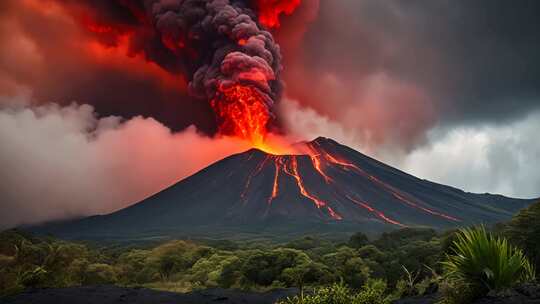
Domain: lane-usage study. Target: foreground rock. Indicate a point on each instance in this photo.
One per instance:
(115, 294)
(524, 294)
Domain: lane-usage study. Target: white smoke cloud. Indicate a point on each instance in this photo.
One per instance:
(59, 162)
(495, 159)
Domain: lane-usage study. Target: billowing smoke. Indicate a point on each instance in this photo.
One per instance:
(229, 59)
(234, 57)
(61, 162)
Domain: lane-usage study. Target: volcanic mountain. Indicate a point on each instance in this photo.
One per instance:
(332, 188)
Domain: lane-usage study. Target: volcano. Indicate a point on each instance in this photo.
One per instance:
(333, 188)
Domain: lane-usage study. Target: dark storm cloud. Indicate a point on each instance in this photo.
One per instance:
(490, 51)
(477, 60)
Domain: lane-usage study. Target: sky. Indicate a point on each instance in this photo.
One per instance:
(96, 115)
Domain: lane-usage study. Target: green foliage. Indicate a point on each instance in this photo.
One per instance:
(349, 266)
(524, 231)
(373, 253)
(263, 268)
(407, 261)
(99, 273)
(33, 278)
(402, 237)
(485, 262)
(358, 240)
(371, 293)
(32, 262)
(456, 291)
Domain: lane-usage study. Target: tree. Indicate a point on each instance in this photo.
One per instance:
(524, 231)
(358, 240)
(401, 237)
(348, 265)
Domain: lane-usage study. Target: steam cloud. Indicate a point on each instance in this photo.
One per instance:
(60, 162)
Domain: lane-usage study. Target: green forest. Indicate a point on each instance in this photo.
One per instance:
(397, 264)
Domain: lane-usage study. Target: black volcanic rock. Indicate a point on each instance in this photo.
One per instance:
(335, 188)
(108, 294)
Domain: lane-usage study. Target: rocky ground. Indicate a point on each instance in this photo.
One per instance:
(115, 294)
(525, 294)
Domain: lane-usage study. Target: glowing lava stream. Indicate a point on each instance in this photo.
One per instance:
(277, 163)
(317, 165)
(281, 163)
(304, 192)
(383, 185)
(251, 175)
(377, 212)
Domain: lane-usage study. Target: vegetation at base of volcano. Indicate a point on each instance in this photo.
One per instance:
(400, 263)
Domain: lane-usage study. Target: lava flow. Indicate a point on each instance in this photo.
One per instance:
(288, 164)
(242, 113)
(385, 186)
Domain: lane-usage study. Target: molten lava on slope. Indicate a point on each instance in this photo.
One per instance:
(329, 187)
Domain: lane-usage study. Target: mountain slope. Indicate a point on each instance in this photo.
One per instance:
(332, 188)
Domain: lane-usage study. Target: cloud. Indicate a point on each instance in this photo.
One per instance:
(60, 162)
(380, 113)
(483, 158)
(470, 62)
(496, 159)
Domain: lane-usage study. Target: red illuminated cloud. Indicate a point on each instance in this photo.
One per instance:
(270, 10)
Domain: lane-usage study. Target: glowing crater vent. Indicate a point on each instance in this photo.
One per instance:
(242, 112)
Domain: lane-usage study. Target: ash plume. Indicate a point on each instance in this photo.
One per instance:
(220, 46)
(216, 44)
(227, 44)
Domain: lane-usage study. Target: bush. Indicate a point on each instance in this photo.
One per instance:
(485, 262)
(371, 293)
(524, 231)
(100, 274)
(334, 294)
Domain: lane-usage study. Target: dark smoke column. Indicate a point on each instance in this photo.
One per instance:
(234, 62)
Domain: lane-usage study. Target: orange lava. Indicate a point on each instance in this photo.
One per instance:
(373, 210)
(275, 189)
(258, 170)
(242, 112)
(385, 186)
(319, 203)
(300, 183)
(315, 159)
(333, 214)
(270, 10)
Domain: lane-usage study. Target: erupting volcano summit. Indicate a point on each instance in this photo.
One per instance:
(331, 187)
(229, 59)
(224, 50)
